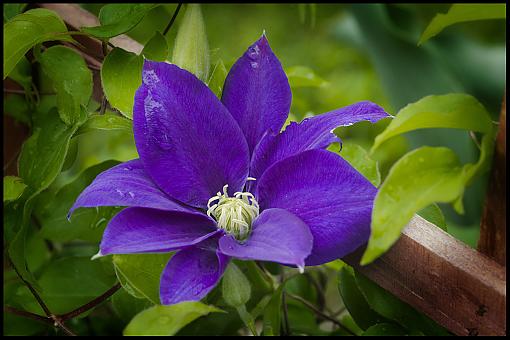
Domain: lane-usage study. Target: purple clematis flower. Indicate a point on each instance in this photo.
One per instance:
(217, 179)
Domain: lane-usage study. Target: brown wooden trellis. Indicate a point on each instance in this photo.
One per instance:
(461, 288)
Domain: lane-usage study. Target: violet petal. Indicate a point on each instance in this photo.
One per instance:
(328, 194)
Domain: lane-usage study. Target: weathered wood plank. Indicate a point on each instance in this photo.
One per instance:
(493, 227)
(460, 288)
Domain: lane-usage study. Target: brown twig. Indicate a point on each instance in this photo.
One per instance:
(29, 315)
(319, 312)
(91, 304)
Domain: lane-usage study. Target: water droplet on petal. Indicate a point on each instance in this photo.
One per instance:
(254, 64)
(120, 192)
(131, 194)
(254, 52)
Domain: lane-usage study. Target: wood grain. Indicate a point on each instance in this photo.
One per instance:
(458, 287)
(493, 226)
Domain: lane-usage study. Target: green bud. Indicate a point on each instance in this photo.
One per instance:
(191, 50)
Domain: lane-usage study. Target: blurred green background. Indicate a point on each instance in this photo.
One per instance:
(362, 52)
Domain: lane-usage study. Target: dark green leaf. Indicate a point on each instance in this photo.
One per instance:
(302, 76)
(235, 286)
(156, 48)
(28, 29)
(167, 320)
(385, 329)
(69, 283)
(462, 13)
(107, 121)
(13, 188)
(140, 273)
(433, 214)
(127, 306)
(121, 76)
(22, 74)
(191, 50)
(17, 107)
(217, 78)
(355, 302)
(85, 224)
(457, 110)
(117, 19)
(273, 312)
(11, 10)
(72, 81)
(392, 308)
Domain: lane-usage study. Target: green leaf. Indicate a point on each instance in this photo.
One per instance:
(18, 108)
(272, 313)
(22, 74)
(72, 81)
(13, 188)
(28, 29)
(140, 273)
(127, 306)
(355, 302)
(462, 13)
(302, 76)
(117, 19)
(235, 286)
(107, 121)
(457, 111)
(392, 308)
(70, 282)
(361, 161)
(167, 320)
(156, 48)
(433, 214)
(11, 10)
(191, 50)
(385, 329)
(217, 78)
(121, 76)
(85, 224)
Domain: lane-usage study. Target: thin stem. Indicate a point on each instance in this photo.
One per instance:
(286, 327)
(104, 102)
(14, 91)
(29, 315)
(319, 312)
(91, 304)
(167, 28)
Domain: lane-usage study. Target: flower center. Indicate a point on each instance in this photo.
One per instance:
(234, 214)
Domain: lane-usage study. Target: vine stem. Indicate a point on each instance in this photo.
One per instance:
(82, 309)
(174, 16)
(319, 312)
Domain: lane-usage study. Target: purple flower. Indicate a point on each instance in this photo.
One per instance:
(217, 179)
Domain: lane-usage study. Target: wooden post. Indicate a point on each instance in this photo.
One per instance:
(453, 284)
(493, 227)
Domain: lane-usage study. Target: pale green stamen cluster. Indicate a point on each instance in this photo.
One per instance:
(234, 214)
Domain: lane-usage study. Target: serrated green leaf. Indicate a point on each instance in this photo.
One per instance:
(361, 161)
(433, 214)
(167, 320)
(13, 188)
(273, 312)
(156, 48)
(302, 76)
(28, 29)
(235, 286)
(85, 224)
(385, 329)
(121, 76)
(355, 302)
(191, 50)
(392, 308)
(456, 110)
(217, 78)
(117, 19)
(462, 13)
(71, 78)
(142, 273)
(107, 121)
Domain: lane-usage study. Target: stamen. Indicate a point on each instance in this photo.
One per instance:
(234, 214)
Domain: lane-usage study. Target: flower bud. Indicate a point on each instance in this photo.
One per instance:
(191, 50)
